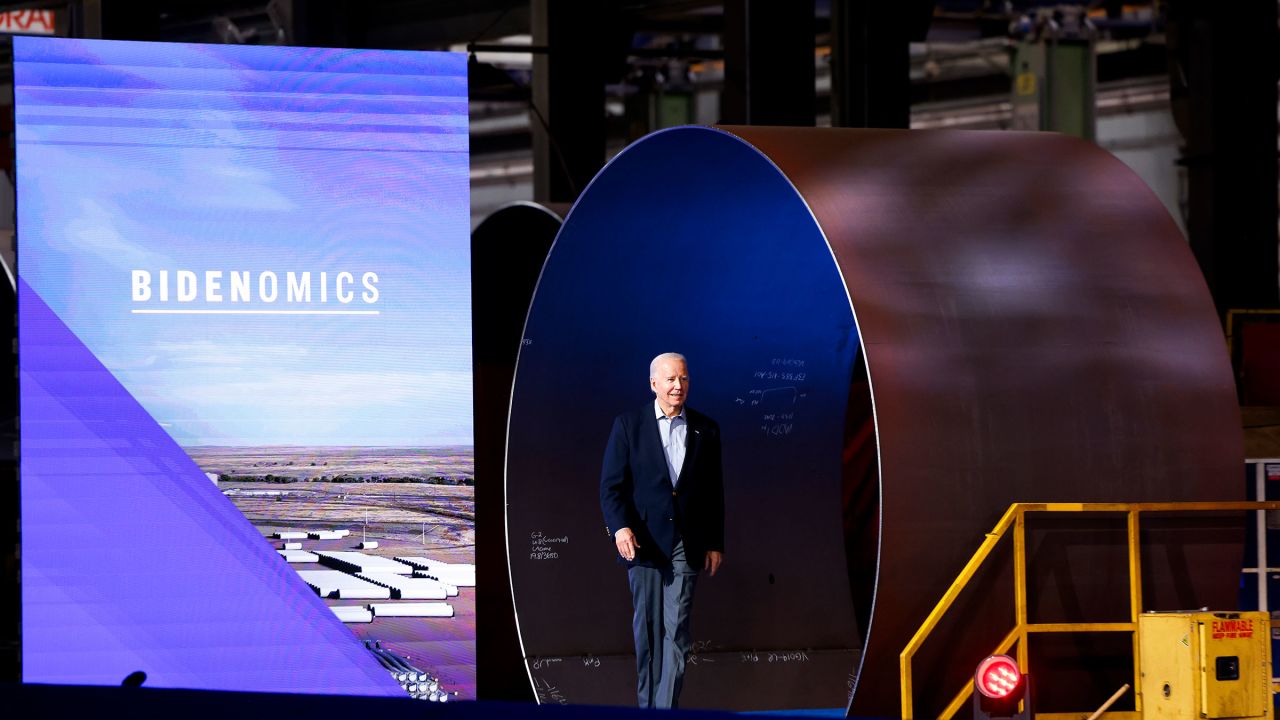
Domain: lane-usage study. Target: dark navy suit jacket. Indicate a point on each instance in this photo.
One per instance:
(636, 489)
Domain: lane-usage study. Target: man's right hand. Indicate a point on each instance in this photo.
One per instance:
(626, 542)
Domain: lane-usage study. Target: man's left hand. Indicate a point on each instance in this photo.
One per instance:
(714, 558)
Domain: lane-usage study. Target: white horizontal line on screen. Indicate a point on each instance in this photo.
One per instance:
(255, 312)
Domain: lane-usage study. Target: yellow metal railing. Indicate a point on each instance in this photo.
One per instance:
(1015, 518)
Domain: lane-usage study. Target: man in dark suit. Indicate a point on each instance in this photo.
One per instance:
(662, 496)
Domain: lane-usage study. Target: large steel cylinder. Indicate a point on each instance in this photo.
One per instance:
(508, 249)
(900, 333)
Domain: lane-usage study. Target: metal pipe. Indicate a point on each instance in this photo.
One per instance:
(1110, 701)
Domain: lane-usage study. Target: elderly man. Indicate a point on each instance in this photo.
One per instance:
(663, 501)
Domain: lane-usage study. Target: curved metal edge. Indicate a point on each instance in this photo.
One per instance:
(500, 669)
(875, 422)
(515, 376)
(547, 209)
(8, 272)
(856, 328)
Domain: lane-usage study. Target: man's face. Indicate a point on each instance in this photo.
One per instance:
(670, 385)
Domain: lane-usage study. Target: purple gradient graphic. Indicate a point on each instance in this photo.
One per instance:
(133, 560)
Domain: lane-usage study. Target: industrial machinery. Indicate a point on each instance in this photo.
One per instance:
(1205, 664)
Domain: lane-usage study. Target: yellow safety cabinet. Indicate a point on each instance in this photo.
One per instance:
(1205, 664)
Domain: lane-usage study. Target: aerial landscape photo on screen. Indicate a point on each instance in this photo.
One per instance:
(415, 505)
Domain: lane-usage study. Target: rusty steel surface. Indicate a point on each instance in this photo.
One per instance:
(1018, 311)
(1035, 329)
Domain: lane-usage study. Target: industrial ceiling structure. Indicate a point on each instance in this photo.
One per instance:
(558, 86)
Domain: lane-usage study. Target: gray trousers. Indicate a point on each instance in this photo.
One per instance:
(662, 599)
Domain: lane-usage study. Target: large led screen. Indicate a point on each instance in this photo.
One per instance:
(246, 422)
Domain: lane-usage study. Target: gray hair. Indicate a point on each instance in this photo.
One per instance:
(653, 364)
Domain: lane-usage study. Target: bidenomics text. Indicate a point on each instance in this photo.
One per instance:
(246, 286)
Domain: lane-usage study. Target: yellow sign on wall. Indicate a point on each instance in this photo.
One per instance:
(1025, 83)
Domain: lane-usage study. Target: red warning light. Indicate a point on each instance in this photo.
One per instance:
(998, 676)
(1000, 687)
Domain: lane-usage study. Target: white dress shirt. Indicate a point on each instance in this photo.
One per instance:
(675, 433)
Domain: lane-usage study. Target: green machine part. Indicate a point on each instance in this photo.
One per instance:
(1054, 83)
